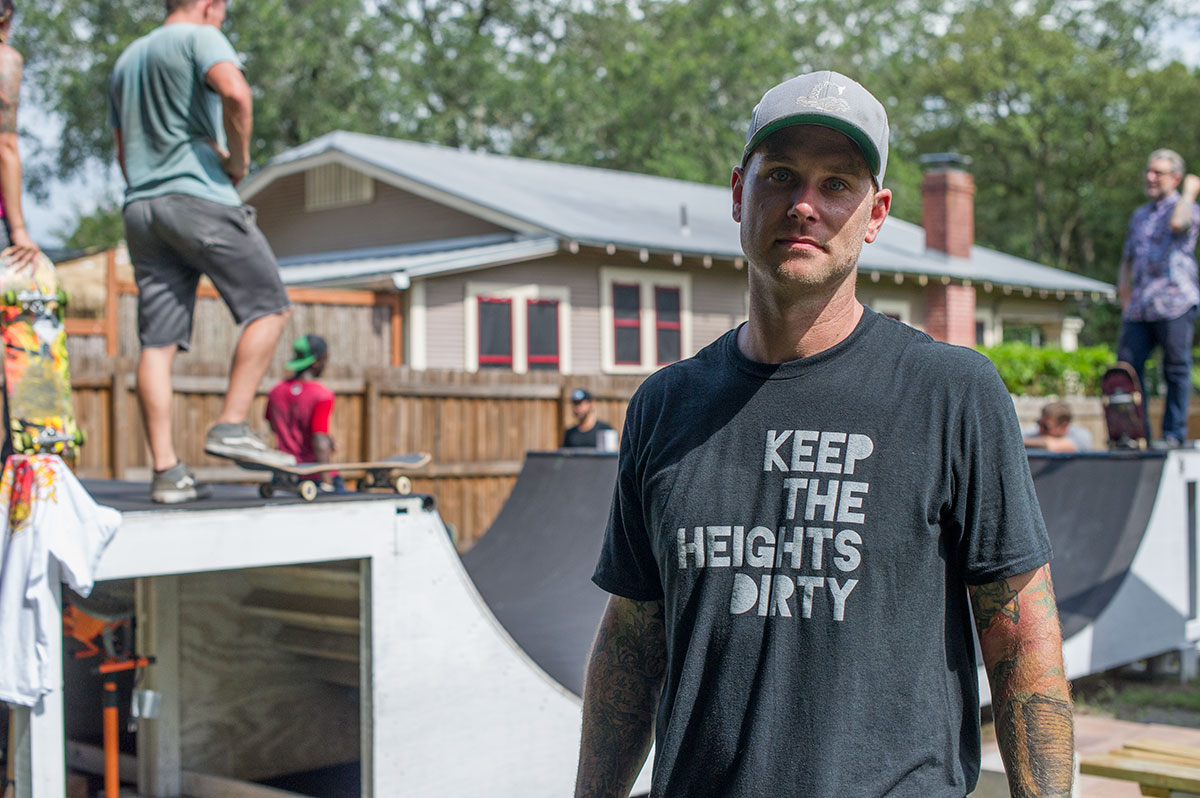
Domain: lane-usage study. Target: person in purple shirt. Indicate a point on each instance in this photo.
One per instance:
(1158, 285)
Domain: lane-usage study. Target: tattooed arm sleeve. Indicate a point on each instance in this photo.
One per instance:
(620, 695)
(1017, 620)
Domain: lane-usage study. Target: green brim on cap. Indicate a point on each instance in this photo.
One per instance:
(852, 132)
(304, 355)
(300, 363)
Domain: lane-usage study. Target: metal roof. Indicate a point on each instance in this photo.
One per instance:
(602, 207)
(383, 267)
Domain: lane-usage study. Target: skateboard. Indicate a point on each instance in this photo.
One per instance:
(1124, 410)
(302, 479)
(37, 379)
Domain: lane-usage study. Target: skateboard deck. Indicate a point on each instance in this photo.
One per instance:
(1124, 410)
(303, 478)
(37, 379)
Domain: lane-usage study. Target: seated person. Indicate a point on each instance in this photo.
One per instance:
(1054, 431)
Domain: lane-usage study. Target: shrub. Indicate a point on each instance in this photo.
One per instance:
(1035, 371)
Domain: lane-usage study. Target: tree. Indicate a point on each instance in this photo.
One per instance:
(314, 66)
(102, 228)
(1054, 99)
(1045, 98)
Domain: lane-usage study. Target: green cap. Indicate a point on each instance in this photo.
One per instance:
(308, 350)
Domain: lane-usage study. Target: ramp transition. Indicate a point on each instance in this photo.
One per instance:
(534, 566)
(1096, 508)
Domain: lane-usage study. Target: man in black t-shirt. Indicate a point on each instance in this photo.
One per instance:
(588, 429)
(808, 512)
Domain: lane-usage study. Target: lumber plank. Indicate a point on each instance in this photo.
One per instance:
(1118, 765)
(320, 645)
(307, 612)
(309, 580)
(1160, 746)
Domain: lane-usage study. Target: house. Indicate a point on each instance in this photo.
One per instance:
(524, 265)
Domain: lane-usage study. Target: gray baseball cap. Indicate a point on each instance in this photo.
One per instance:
(829, 99)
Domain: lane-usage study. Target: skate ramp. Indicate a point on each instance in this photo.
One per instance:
(1096, 508)
(534, 566)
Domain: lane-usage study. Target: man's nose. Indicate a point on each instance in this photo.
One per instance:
(804, 203)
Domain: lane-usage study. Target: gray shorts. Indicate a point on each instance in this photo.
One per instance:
(176, 238)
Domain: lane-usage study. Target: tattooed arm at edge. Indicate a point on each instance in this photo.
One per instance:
(620, 696)
(1017, 621)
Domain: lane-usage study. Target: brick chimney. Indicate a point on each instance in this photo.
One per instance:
(948, 216)
(948, 204)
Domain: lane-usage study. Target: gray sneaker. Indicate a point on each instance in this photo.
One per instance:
(237, 442)
(177, 485)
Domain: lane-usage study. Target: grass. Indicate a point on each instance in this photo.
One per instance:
(1139, 695)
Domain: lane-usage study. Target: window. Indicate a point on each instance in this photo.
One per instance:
(645, 319)
(542, 346)
(893, 308)
(514, 326)
(495, 333)
(627, 324)
(667, 327)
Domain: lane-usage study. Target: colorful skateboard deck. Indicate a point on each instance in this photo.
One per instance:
(1124, 410)
(303, 478)
(37, 379)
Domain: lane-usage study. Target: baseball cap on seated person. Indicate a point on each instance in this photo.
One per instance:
(580, 395)
(831, 100)
(308, 350)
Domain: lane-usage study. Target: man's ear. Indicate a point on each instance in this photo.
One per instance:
(737, 184)
(879, 211)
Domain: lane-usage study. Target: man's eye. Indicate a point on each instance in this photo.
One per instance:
(779, 174)
(837, 184)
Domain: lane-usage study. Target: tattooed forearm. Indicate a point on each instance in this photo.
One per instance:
(1017, 619)
(620, 696)
(1037, 731)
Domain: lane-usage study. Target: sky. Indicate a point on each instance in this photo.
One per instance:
(66, 201)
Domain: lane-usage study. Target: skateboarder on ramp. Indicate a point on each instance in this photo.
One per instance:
(183, 219)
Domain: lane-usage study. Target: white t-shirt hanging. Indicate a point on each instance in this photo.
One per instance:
(47, 515)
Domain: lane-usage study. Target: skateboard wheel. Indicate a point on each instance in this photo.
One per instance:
(367, 481)
(80, 437)
(308, 490)
(10, 297)
(402, 484)
(266, 490)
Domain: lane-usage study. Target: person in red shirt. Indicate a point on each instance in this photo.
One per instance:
(300, 407)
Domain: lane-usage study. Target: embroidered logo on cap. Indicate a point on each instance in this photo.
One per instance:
(831, 104)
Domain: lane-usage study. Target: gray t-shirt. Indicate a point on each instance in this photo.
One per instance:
(159, 98)
(812, 528)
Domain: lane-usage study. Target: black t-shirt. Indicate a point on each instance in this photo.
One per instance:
(574, 438)
(811, 528)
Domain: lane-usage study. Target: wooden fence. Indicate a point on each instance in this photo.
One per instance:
(477, 427)
(363, 327)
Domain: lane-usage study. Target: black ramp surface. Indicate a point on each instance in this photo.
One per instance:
(534, 566)
(1096, 508)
